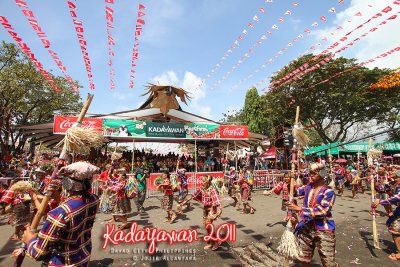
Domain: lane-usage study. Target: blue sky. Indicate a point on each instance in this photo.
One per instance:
(183, 40)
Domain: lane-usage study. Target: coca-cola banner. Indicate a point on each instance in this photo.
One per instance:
(233, 131)
(63, 123)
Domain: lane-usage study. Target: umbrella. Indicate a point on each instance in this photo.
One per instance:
(387, 157)
(396, 155)
(340, 160)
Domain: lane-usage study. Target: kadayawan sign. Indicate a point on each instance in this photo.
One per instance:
(148, 129)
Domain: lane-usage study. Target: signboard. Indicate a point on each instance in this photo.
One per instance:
(63, 123)
(233, 131)
(124, 128)
(171, 130)
(207, 131)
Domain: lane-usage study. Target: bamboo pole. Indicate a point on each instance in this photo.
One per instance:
(133, 155)
(236, 157)
(374, 228)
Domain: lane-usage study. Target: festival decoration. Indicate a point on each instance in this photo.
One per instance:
(7, 26)
(110, 40)
(135, 51)
(164, 97)
(235, 44)
(45, 41)
(82, 42)
(251, 50)
(296, 74)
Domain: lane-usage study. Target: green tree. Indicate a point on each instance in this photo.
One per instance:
(27, 98)
(333, 109)
(253, 114)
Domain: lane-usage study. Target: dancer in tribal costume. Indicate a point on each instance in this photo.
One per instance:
(65, 239)
(168, 199)
(21, 210)
(316, 229)
(208, 196)
(382, 187)
(183, 188)
(339, 178)
(393, 223)
(245, 186)
(120, 203)
(233, 186)
(141, 176)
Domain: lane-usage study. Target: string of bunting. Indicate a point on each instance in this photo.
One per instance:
(110, 40)
(7, 26)
(289, 45)
(325, 60)
(388, 81)
(45, 41)
(305, 66)
(362, 64)
(135, 51)
(313, 47)
(82, 42)
(250, 51)
(250, 26)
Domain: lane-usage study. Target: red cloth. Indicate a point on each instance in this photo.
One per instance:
(103, 176)
(208, 197)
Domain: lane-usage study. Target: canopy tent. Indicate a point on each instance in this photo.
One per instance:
(356, 147)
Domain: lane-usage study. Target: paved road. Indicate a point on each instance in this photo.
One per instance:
(354, 238)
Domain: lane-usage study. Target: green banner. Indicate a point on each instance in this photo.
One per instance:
(391, 146)
(208, 131)
(124, 128)
(158, 129)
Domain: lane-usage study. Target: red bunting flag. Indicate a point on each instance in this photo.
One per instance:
(323, 18)
(332, 10)
(141, 7)
(250, 25)
(141, 21)
(280, 19)
(295, 3)
(262, 10)
(7, 26)
(46, 43)
(358, 14)
(315, 24)
(140, 14)
(288, 12)
(274, 27)
(135, 50)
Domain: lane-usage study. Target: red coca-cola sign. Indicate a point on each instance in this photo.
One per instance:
(63, 123)
(233, 131)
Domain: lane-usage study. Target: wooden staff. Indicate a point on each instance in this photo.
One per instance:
(374, 228)
(288, 245)
(42, 209)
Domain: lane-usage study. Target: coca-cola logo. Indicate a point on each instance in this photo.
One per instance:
(234, 132)
(66, 124)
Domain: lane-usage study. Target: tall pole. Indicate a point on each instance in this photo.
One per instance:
(374, 228)
(195, 157)
(133, 155)
(236, 157)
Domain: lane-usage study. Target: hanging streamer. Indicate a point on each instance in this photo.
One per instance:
(45, 41)
(254, 46)
(289, 45)
(110, 40)
(7, 26)
(295, 40)
(307, 68)
(235, 44)
(334, 45)
(82, 42)
(383, 55)
(135, 51)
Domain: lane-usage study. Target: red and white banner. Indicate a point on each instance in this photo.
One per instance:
(301, 70)
(63, 123)
(7, 26)
(232, 131)
(194, 181)
(82, 42)
(46, 42)
(110, 41)
(135, 51)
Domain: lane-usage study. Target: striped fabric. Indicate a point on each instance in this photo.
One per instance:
(317, 206)
(208, 197)
(65, 238)
(394, 200)
(10, 197)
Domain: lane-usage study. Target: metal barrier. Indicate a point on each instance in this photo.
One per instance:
(266, 179)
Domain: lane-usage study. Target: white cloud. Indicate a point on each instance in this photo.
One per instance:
(189, 82)
(121, 96)
(375, 43)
